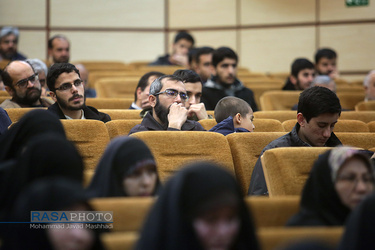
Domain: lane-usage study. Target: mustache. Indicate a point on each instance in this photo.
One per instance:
(75, 96)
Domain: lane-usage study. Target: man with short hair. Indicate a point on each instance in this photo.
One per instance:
(224, 82)
(66, 89)
(193, 85)
(143, 89)
(59, 49)
(42, 70)
(318, 112)
(22, 84)
(325, 63)
(203, 63)
(183, 42)
(167, 99)
(301, 75)
(8, 44)
(84, 73)
(369, 85)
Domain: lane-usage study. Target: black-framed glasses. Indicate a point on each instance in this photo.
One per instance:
(68, 86)
(173, 93)
(24, 82)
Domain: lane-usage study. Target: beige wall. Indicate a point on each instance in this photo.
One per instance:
(267, 34)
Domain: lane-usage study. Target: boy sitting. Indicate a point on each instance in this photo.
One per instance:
(233, 115)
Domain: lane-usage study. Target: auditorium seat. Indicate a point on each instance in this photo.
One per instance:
(365, 106)
(365, 116)
(359, 140)
(341, 126)
(16, 113)
(246, 148)
(172, 149)
(118, 114)
(109, 103)
(207, 124)
(121, 87)
(349, 100)
(4, 93)
(267, 125)
(281, 115)
(121, 127)
(371, 126)
(279, 100)
(287, 169)
(97, 75)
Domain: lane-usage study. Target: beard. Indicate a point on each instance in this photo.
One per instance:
(162, 113)
(29, 98)
(64, 105)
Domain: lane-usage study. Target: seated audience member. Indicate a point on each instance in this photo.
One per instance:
(318, 112)
(224, 82)
(33, 123)
(89, 92)
(191, 58)
(4, 121)
(143, 89)
(203, 63)
(22, 84)
(359, 228)
(167, 99)
(42, 70)
(51, 194)
(8, 44)
(324, 81)
(301, 75)
(339, 180)
(193, 85)
(2, 87)
(59, 49)
(183, 42)
(66, 89)
(127, 168)
(233, 115)
(369, 85)
(325, 63)
(201, 207)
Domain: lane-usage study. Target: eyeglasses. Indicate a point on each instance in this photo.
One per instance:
(24, 82)
(173, 93)
(68, 86)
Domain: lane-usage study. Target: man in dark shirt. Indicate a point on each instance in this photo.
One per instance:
(167, 99)
(301, 76)
(67, 90)
(8, 44)
(224, 81)
(318, 112)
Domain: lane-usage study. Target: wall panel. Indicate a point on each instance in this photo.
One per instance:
(22, 12)
(33, 44)
(337, 11)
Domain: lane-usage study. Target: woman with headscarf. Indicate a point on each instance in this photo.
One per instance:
(359, 230)
(127, 168)
(339, 180)
(201, 207)
(50, 194)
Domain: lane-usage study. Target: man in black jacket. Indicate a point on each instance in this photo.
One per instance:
(224, 81)
(67, 90)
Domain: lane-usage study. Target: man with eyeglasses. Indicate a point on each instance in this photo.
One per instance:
(8, 44)
(22, 83)
(167, 99)
(67, 90)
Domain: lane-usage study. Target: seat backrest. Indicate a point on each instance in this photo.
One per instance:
(16, 113)
(365, 116)
(341, 126)
(246, 148)
(267, 125)
(359, 140)
(120, 114)
(260, 89)
(365, 106)
(4, 93)
(281, 115)
(272, 212)
(371, 126)
(128, 212)
(168, 70)
(207, 124)
(279, 100)
(97, 75)
(287, 169)
(172, 149)
(349, 100)
(123, 87)
(109, 103)
(121, 127)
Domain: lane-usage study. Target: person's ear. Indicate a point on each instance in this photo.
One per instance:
(293, 79)
(139, 91)
(9, 90)
(237, 119)
(152, 100)
(301, 119)
(53, 95)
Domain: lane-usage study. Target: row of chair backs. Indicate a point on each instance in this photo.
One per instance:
(365, 106)
(341, 126)
(116, 87)
(110, 103)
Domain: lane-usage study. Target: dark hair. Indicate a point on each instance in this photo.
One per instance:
(188, 75)
(56, 70)
(230, 106)
(157, 85)
(184, 35)
(143, 82)
(7, 79)
(192, 55)
(221, 53)
(50, 41)
(203, 51)
(318, 100)
(300, 64)
(325, 53)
